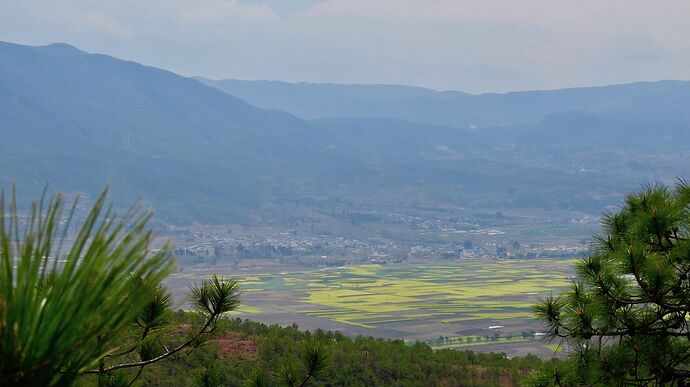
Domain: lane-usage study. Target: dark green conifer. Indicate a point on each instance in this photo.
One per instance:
(626, 318)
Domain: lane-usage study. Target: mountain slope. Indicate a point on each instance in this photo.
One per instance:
(82, 120)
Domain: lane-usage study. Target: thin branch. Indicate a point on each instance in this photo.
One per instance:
(168, 353)
(134, 347)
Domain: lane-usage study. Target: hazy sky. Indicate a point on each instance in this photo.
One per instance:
(470, 45)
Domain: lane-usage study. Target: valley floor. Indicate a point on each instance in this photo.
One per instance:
(479, 304)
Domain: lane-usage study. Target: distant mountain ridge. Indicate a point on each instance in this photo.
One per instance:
(587, 116)
(446, 108)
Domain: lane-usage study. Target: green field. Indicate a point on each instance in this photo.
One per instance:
(372, 295)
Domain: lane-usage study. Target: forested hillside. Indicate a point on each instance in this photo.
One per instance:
(243, 346)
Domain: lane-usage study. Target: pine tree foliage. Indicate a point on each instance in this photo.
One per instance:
(64, 302)
(626, 318)
(314, 361)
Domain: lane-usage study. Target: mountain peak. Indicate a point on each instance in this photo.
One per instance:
(60, 47)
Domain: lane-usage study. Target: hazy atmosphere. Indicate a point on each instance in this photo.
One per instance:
(344, 193)
(473, 46)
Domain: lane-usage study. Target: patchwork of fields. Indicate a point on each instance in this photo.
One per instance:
(374, 295)
(462, 298)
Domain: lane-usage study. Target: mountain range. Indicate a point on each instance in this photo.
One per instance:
(640, 100)
(232, 151)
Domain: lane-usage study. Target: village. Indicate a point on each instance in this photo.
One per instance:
(407, 240)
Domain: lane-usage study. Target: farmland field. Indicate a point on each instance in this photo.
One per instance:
(454, 299)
